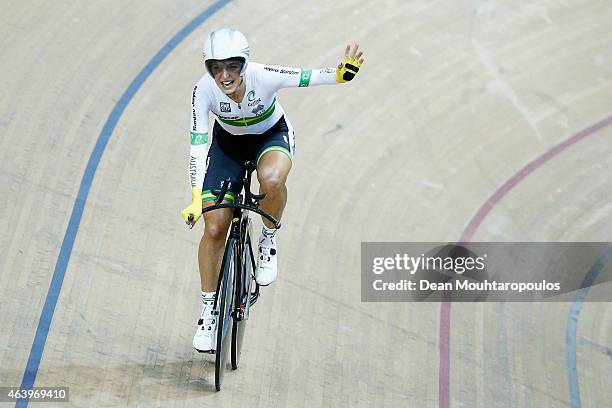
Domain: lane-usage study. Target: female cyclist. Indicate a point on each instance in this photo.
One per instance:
(250, 124)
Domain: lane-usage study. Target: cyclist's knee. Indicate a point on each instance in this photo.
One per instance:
(215, 228)
(271, 180)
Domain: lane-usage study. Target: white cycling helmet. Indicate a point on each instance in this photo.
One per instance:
(226, 43)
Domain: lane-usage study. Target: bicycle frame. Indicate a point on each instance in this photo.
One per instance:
(234, 293)
(240, 229)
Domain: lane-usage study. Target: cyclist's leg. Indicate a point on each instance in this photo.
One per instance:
(212, 244)
(221, 166)
(274, 161)
(272, 171)
(273, 166)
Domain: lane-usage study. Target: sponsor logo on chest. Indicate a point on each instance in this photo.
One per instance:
(258, 109)
(255, 102)
(225, 107)
(252, 99)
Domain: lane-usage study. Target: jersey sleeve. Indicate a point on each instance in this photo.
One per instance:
(278, 77)
(200, 106)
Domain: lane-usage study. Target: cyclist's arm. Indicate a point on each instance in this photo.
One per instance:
(200, 106)
(279, 77)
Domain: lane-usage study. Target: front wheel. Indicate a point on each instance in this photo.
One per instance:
(243, 301)
(224, 322)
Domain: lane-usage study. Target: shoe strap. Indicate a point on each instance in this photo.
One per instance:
(207, 313)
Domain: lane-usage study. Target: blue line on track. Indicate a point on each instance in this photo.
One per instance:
(572, 326)
(46, 316)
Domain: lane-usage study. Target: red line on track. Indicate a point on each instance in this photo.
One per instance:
(468, 233)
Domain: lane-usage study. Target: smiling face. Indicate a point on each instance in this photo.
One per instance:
(226, 74)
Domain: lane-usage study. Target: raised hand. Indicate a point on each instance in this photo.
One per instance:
(350, 64)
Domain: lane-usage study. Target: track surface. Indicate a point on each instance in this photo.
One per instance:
(454, 100)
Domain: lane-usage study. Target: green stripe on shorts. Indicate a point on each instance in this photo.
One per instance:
(277, 148)
(208, 196)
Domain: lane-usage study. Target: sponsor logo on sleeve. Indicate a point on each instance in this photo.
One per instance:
(193, 95)
(305, 77)
(225, 107)
(193, 111)
(282, 70)
(199, 138)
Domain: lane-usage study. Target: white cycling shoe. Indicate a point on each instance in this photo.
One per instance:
(205, 337)
(266, 271)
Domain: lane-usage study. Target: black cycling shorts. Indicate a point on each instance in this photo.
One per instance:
(228, 153)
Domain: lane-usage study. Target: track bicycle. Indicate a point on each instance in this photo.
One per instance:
(237, 290)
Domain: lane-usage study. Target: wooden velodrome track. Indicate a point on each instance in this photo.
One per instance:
(454, 99)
